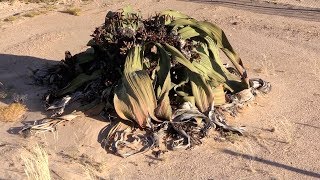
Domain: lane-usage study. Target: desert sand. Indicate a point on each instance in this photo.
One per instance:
(283, 127)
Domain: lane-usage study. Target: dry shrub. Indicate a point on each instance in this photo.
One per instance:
(39, 1)
(11, 18)
(32, 14)
(73, 11)
(12, 113)
(89, 172)
(36, 163)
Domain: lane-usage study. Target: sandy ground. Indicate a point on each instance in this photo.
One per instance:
(283, 127)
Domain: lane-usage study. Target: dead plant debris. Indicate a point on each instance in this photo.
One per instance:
(12, 112)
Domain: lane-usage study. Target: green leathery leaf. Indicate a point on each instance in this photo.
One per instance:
(207, 32)
(194, 31)
(190, 99)
(208, 69)
(181, 84)
(134, 99)
(163, 109)
(133, 60)
(233, 82)
(215, 33)
(164, 69)
(85, 57)
(78, 82)
(201, 91)
(187, 32)
(141, 89)
(127, 10)
(202, 47)
(91, 43)
(90, 105)
(223, 42)
(122, 104)
(179, 57)
(183, 22)
(192, 23)
(172, 14)
(219, 95)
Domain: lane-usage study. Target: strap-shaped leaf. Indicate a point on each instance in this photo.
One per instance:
(209, 69)
(219, 95)
(223, 42)
(163, 110)
(233, 82)
(179, 88)
(84, 57)
(78, 82)
(215, 33)
(179, 57)
(164, 70)
(188, 32)
(133, 60)
(174, 14)
(201, 91)
(171, 14)
(92, 43)
(135, 99)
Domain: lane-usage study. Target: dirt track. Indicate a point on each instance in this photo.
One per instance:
(311, 13)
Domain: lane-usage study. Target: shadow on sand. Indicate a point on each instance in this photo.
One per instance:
(273, 163)
(15, 75)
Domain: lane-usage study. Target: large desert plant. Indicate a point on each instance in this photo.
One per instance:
(158, 74)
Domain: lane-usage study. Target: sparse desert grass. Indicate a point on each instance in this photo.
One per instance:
(3, 94)
(48, 8)
(32, 13)
(10, 1)
(266, 66)
(39, 1)
(5, 91)
(36, 163)
(12, 113)
(89, 172)
(82, 159)
(285, 130)
(30, 1)
(282, 130)
(245, 148)
(72, 11)
(231, 137)
(39, 11)
(11, 18)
